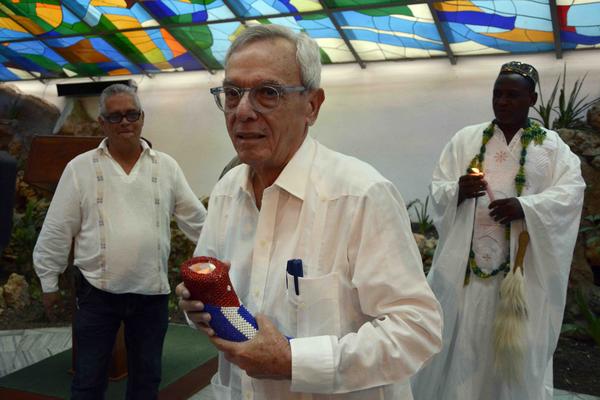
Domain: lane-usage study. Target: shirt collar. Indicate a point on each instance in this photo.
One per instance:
(498, 132)
(294, 176)
(103, 148)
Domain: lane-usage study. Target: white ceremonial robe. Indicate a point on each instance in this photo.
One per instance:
(551, 200)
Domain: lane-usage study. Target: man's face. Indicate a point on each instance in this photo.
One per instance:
(267, 141)
(512, 98)
(124, 131)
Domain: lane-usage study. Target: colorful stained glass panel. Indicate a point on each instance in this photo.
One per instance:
(186, 12)
(10, 71)
(257, 8)
(484, 26)
(47, 18)
(60, 38)
(392, 33)
(154, 50)
(36, 58)
(111, 15)
(209, 42)
(10, 30)
(321, 29)
(92, 56)
(360, 3)
(579, 23)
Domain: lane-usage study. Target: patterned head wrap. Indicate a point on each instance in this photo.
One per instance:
(525, 70)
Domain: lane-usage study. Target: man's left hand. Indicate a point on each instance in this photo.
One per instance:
(505, 211)
(267, 356)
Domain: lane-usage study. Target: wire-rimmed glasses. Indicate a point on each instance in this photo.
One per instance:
(263, 98)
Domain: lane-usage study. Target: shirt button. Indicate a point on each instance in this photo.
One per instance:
(263, 243)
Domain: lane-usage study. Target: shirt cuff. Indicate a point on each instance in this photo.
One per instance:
(313, 367)
(49, 284)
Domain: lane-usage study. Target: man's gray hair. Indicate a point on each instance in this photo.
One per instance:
(308, 54)
(118, 88)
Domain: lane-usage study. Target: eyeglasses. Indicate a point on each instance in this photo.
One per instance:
(263, 98)
(116, 118)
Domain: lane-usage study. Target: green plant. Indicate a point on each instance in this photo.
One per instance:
(570, 107)
(591, 229)
(544, 109)
(423, 221)
(181, 249)
(590, 326)
(24, 235)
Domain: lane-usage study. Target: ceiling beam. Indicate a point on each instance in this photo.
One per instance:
(442, 33)
(232, 9)
(555, 28)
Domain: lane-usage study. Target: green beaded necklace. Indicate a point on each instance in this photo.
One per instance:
(532, 132)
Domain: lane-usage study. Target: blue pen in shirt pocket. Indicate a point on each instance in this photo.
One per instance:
(294, 268)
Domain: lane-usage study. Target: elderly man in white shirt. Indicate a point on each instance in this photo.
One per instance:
(117, 201)
(363, 319)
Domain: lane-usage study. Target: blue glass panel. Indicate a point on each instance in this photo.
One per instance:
(184, 12)
(10, 30)
(392, 33)
(485, 26)
(92, 56)
(579, 24)
(36, 57)
(321, 29)
(256, 8)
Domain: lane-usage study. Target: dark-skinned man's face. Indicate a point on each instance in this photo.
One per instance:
(512, 98)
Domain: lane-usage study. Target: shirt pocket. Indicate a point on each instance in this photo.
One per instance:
(315, 310)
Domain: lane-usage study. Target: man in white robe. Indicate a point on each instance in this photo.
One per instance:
(549, 208)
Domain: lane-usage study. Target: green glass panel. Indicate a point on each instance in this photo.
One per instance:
(354, 3)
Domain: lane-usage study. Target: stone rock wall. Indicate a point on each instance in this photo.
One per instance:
(586, 144)
(23, 116)
(16, 292)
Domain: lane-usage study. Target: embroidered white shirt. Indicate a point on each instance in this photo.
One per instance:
(120, 222)
(365, 319)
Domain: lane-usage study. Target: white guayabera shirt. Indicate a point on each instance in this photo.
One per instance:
(120, 222)
(365, 319)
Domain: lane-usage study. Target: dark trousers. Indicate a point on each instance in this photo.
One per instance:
(97, 320)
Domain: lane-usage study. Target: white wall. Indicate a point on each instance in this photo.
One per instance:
(396, 116)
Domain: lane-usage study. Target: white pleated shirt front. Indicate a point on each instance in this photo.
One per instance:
(365, 319)
(120, 222)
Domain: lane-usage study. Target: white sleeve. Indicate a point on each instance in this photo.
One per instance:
(403, 328)
(189, 212)
(62, 223)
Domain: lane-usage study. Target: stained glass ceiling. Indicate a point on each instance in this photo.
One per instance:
(48, 39)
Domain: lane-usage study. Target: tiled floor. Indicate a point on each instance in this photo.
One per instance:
(20, 348)
(206, 394)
